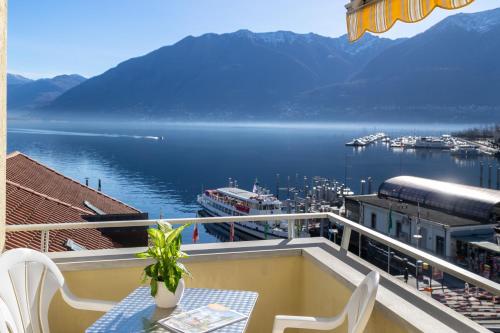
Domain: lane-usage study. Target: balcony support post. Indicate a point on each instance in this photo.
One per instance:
(359, 244)
(346, 238)
(291, 229)
(44, 241)
(389, 259)
(3, 118)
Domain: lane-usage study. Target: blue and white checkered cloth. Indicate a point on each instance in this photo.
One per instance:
(138, 312)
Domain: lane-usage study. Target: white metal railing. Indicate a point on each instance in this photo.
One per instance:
(348, 226)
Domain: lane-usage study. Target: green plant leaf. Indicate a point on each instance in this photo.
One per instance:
(182, 254)
(183, 269)
(165, 249)
(147, 270)
(165, 227)
(143, 255)
(154, 287)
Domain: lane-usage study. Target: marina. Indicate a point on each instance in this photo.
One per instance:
(456, 145)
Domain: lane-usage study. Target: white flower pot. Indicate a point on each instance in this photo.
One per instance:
(166, 299)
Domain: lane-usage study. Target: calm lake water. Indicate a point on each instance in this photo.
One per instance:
(166, 175)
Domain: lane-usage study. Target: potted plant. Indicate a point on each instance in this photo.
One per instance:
(166, 273)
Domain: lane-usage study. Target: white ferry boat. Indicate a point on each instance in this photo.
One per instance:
(233, 201)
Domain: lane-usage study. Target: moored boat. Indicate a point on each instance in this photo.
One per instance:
(356, 143)
(429, 142)
(234, 201)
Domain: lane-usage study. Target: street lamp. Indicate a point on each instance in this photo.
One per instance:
(418, 238)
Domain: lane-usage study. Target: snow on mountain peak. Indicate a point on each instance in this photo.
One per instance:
(477, 22)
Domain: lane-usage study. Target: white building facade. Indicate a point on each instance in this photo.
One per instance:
(437, 238)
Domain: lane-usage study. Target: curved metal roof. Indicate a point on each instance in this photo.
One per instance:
(462, 200)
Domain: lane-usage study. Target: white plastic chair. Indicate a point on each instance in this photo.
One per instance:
(358, 311)
(28, 282)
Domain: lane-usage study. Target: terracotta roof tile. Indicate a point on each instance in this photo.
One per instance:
(37, 194)
(31, 174)
(34, 209)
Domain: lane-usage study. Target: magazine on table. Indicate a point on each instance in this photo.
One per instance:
(204, 319)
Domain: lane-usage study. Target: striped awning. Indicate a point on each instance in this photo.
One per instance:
(380, 15)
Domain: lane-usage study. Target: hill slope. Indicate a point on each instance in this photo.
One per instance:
(238, 74)
(449, 72)
(452, 68)
(15, 79)
(26, 94)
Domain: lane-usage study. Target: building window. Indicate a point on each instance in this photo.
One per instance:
(439, 246)
(374, 221)
(423, 240)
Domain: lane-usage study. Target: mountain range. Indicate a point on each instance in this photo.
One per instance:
(449, 72)
(26, 94)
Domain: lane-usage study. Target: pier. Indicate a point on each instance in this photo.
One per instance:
(484, 147)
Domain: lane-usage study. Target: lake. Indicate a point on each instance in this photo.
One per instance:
(164, 176)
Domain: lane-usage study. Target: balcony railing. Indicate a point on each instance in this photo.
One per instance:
(347, 225)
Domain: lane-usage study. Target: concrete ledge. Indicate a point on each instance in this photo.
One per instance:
(126, 257)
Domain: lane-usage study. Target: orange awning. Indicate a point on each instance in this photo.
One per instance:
(380, 15)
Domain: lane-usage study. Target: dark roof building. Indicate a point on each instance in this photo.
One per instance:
(411, 209)
(469, 202)
(435, 216)
(37, 194)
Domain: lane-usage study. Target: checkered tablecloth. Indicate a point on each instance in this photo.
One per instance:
(138, 312)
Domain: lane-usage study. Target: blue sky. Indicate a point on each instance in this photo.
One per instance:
(51, 37)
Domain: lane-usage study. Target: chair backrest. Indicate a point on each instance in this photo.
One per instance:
(360, 305)
(28, 282)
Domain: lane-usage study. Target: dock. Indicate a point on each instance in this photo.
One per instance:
(483, 147)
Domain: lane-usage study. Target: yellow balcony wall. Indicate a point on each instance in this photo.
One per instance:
(311, 277)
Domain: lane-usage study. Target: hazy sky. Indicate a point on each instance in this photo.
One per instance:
(51, 37)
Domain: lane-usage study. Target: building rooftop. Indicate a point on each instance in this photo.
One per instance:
(25, 206)
(462, 200)
(37, 194)
(493, 247)
(412, 210)
(31, 174)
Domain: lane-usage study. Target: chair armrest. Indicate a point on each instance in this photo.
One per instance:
(84, 303)
(314, 323)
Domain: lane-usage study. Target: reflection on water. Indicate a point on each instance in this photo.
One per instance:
(221, 232)
(166, 175)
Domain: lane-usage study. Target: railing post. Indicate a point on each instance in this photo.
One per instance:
(291, 229)
(44, 241)
(359, 244)
(346, 238)
(389, 259)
